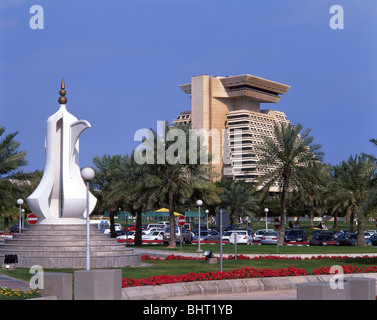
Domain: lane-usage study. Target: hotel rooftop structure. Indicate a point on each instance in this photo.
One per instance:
(231, 106)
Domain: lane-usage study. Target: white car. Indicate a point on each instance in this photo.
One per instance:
(155, 235)
(243, 237)
(269, 237)
(151, 230)
(130, 235)
(258, 234)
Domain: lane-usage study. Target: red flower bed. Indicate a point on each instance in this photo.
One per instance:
(245, 272)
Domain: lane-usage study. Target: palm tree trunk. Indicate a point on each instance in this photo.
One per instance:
(360, 233)
(112, 225)
(352, 217)
(335, 219)
(172, 243)
(138, 236)
(311, 198)
(6, 225)
(282, 215)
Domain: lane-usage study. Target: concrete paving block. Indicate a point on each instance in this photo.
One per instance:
(131, 293)
(285, 283)
(296, 280)
(177, 289)
(237, 285)
(147, 292)
(223, 286)
(162, 292)
(208, 287)
(98, 284)
(269, 284)
(58, 285)
(322, 291)
(361, 288)
(253, 284)
(193, 288)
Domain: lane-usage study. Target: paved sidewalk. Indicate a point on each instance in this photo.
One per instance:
(12, 283)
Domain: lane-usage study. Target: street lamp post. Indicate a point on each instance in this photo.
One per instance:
(207, 212)
(87, 174)
(199, 203)
(20, 202)
(266, 210)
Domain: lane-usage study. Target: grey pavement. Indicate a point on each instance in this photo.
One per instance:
(12, 283)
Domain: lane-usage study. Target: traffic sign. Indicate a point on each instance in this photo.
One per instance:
(224, 218)
(32, 218)
(181, 220)
(277, 223)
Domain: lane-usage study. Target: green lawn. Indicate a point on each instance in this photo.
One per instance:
(182, 267)
(176, 267)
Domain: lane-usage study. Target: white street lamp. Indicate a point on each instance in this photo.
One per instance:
(20, 202)
(207, 212)
(266, 210)
(87, 174)
(199, 203)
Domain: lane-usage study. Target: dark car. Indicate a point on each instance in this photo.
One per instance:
(373, 239)
(15, 228)
(325, 238)
(296, 235)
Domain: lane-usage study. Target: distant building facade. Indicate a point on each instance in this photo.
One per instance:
(230, 106)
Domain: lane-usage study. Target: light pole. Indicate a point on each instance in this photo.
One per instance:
(20, 202)
(87, 174)
(199, 203)
(207, 212)
(266, 210)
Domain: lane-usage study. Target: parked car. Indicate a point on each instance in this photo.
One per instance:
(131, 227)
(350, 239)
(120, 233)
(324, 238)
(259, 233)
(15, 228)
(155, 235)
(130, 235)
(206, 235)
(244, 236)
(347, 239)
(341, 231)
(373, 239)
(269, 237)
(186, 236)
(371, 232)
(295, 235)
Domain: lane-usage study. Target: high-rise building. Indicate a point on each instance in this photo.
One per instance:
(228, 110)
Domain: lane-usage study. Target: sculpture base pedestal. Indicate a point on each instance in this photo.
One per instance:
(62, 221)
(64, 246)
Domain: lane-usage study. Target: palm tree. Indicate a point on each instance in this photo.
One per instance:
(177, 179)
(10, 161)
(239, 200)
(313, 179)
(352, 185)
(109, 171)
(284, 157)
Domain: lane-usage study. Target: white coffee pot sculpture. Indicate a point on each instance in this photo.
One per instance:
(61, 194)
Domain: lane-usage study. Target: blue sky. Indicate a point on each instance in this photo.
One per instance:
(123, 61)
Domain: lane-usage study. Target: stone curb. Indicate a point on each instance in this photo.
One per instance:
(214, 287)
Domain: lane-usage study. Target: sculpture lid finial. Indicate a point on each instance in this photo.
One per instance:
(62, 92)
